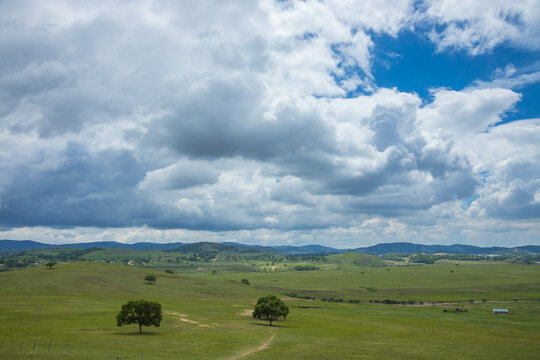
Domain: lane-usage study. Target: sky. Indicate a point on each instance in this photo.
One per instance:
(341, 123)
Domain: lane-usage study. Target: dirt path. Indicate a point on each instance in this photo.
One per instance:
(183, 318)
(254, 350)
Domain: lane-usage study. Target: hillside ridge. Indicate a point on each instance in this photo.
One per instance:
(383, 248)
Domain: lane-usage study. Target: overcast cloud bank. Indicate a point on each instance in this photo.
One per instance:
(260, 122)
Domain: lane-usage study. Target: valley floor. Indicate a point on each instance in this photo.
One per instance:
(68, 312)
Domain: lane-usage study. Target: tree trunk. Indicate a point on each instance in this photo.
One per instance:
(270, 322)
(140, 329)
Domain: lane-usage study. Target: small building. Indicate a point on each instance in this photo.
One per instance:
(500, 311)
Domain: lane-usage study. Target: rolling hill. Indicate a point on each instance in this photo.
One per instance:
(379, 249)
(355, 259)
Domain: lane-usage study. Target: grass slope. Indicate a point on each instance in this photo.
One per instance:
(355, 259)
(73, 308)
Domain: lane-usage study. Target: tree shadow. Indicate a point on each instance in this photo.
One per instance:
(274, 325)
(144, 333)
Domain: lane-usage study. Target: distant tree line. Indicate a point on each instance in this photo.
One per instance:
(431, 258)
(29, 257)
(394, 256)
(305, 267)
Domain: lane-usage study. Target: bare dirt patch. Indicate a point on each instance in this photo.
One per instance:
(184, 318)
(246, 312)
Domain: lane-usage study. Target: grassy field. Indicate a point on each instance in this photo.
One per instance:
(68, 312)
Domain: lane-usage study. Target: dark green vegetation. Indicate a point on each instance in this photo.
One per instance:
(270, 308)
(347, 309)
(213, 257)
(140, 312)
(150, 278)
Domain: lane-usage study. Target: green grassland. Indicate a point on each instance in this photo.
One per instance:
(69, 311)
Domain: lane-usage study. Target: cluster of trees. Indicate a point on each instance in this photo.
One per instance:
(423, 259)
(268, 258)
(394, 256)
(30, 257)
(395, 302)
(305, 267)
(327, 299)
(306, 258)
(204, 256)
(295, 295)
(18, 261)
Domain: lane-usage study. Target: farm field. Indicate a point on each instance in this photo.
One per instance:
(68, 312)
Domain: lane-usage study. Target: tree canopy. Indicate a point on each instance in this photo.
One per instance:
(150, 278)
(270, 308)
(141, 312)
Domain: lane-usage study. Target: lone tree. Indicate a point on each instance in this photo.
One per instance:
(50, 264)
(142, 312)
(270, 308)
(150, 279)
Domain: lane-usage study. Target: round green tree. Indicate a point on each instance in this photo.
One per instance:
(141, 312)
(270, 308)
(150, 278)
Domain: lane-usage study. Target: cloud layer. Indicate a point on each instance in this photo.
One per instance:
(259, 122)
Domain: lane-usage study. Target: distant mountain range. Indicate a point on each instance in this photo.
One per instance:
(29, 244)
(398, 247)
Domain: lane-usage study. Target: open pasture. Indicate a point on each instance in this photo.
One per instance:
(68, 312)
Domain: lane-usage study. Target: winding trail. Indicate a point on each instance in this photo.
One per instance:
(254, 350)
(183, 318)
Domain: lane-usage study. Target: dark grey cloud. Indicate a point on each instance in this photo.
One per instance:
(84, 190)
(224, 117)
